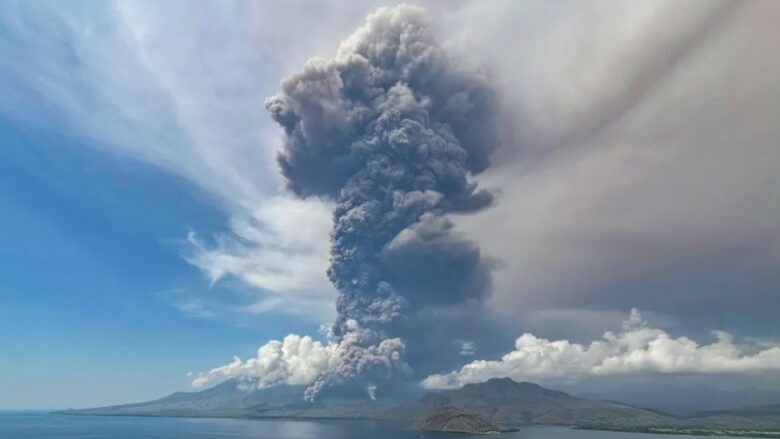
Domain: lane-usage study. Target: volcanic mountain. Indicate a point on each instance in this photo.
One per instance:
(494, 405)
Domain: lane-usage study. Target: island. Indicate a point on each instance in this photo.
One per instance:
(454, 420)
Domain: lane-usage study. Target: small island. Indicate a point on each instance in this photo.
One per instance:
(454, 420)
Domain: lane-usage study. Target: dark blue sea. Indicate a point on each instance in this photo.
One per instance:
(40, 425)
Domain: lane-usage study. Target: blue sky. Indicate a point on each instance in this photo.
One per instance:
(94, 277)
(147, 232)
(99, 303)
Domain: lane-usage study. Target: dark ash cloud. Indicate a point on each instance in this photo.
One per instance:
(649, 164)
(392, 129)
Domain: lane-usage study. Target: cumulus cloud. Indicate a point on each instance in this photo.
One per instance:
(637, 348)
(295, 360)
(301, 360)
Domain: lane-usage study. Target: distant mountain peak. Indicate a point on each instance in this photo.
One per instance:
(508, 385)
(506, 381)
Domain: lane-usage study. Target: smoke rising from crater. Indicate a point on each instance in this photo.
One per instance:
(391, 129)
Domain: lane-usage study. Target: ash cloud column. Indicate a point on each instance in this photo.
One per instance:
(392, 129)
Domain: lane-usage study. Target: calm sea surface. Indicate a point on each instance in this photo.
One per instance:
(44, 425)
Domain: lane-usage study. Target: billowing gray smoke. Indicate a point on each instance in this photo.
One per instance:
(391, 129)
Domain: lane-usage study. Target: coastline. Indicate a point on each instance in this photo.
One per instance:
(686, 431)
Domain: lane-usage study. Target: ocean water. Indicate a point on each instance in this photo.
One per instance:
(39, 425)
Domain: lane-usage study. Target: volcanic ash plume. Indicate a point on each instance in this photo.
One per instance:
(391, 129)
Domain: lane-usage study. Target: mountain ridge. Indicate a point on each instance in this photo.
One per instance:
(499, 402)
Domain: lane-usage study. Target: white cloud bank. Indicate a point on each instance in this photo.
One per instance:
(637, 348)
(301, 360)
(296, 360)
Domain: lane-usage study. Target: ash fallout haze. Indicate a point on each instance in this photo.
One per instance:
(390, 199)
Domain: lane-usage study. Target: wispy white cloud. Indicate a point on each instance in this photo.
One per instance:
(281, 249)
(125, 79)
(182, 89)
(194, 307)
(637, 348)
(467, 348)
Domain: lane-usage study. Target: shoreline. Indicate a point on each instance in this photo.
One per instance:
(687, 431)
